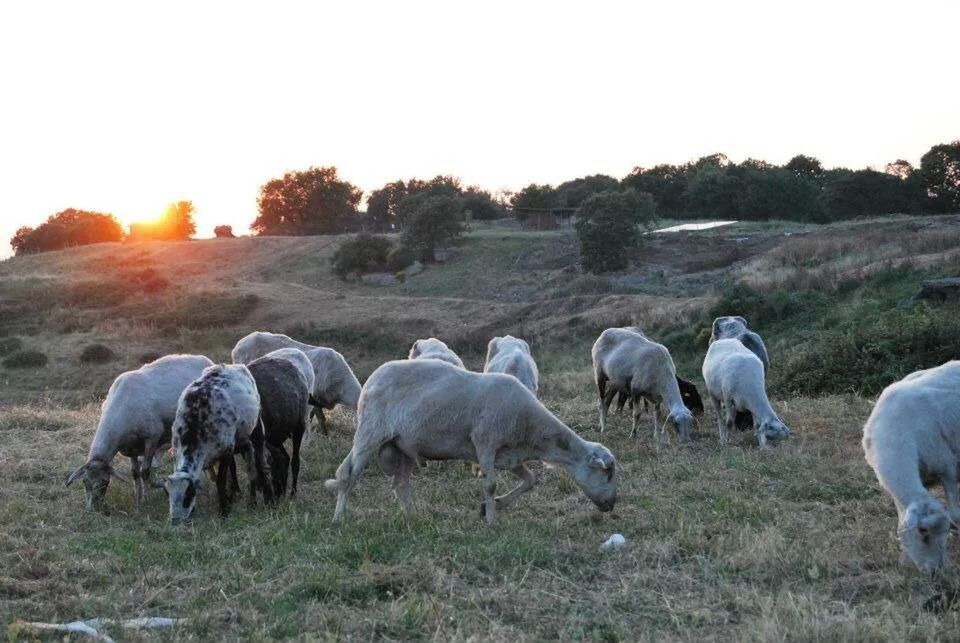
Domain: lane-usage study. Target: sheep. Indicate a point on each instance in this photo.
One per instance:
(334, 382)
(416, 410)
(911, 440)
(284, 413)
(625, 361)
(216, 417)
(735, 327)
(135, 420)
(512, 356)
(433, 348)
(299, 359)
(735, 381)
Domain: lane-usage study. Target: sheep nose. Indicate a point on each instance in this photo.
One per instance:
(606, 505)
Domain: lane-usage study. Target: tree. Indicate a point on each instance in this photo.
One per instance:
(941, 172)
(806, 167)
(571, 194)
(847, 194)
(431, 221)
(776, 193)
(712, 192)
(666, 183)
(175, 224)
(534, 196)
(65, 229)
(481, 205)
(382, 205)
(608, 226)
(364, 253)
(224, 232)
(900, 168)
(312, 201)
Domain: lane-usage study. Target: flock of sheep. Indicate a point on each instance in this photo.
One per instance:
(430, 407)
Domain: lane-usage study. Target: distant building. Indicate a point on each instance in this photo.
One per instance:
(546, 218)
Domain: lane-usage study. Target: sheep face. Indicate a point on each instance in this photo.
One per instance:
(772, 430)
(923, 534)
(182, 489)
(597, 477)
(682, 421)
(690, 396)
(96, 478)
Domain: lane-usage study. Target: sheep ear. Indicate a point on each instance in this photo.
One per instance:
(76, 474)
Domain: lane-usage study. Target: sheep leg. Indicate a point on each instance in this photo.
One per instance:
(138, 492)
(635, 405)
(605, 408)
(401, 482)
(949, 483)
(348, 473)
(146, 469)
(257, 468)
(224, 491)
(487, 462)
(721, 424)
(527, 482)
(279, 463)
(295, 464)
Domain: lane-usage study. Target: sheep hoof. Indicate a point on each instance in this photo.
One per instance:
(483, 509)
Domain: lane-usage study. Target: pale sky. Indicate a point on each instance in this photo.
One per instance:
(124, 108)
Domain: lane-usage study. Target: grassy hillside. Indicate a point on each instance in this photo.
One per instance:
(723, 543)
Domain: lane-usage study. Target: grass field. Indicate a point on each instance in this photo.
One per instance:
(724, 543)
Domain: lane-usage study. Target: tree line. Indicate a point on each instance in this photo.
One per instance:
(318, 201)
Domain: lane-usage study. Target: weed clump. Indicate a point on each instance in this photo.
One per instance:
(26, 359)
(97, 354)
(9, 345)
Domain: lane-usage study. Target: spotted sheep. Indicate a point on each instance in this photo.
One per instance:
(416, 410)
(136, 420)
(216, 418)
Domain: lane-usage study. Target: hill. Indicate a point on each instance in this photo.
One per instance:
(724, 543)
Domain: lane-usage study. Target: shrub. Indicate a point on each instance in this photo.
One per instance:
(759, 309)
(224, 232)
(9, 345)
(364, 253)
(433, 220)
(399, 257)
(26, 359)
(97, 354)
(607, 226)
(66, 229)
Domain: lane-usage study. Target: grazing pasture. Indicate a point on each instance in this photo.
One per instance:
(723, 542)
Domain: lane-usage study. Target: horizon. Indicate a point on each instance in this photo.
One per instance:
(170, 104)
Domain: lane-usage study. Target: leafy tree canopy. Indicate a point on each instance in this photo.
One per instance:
(608, 225)
(65, 229)
(312, 201)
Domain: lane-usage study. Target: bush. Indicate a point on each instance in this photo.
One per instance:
(66, 229)
(608, 226)
(432, 221)
(871, 351)
(364, 253)
(224, 232)
(757, 308)
(9, 345)
(26, 359)
(97, 354)
(400, 257)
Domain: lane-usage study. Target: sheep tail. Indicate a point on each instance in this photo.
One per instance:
(343, 474)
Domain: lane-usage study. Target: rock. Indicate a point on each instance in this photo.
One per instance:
(616, 541)
(380, 279)
(939, 289)
(413, 269)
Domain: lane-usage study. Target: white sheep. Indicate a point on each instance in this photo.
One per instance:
(627, 362)
(216, 417)
(735, 327)
(416, 410)
(511, 356)
(433, 348)
(734, 377)
(135, 420)
(912, 441)
(334, 381)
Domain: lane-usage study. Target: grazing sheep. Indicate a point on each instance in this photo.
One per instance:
(735, 327)
(433, 348)
(688, 392)
(625, 361)
(135, 420)
(284, 414)
(735, 382)
(416, 410)
(216, 417)
(912, 441)
(512, 356)
(334, 382)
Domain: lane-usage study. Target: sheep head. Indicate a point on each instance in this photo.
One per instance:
(923, 533)
(682, 420)
(96, 478)
(182, 489)
(773, 429)
(596, 475)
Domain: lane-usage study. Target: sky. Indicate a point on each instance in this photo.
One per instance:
(125, 107)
